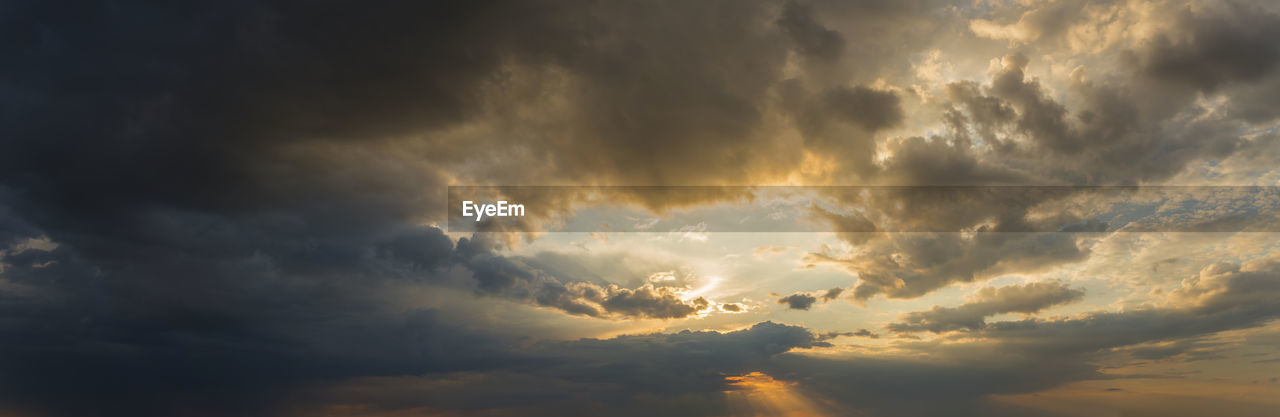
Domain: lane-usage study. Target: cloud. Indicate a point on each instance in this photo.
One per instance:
(1189, 349)
(1048, 22)
(913, 264)
(810, 37)
(648, 301)
(988, 301)
(852, 227)
(318, 312)
(865, 107)
(1222, 297)
(804, 300)
(242, 200)
(1107, 134)
(798, 301)
(1207, 49)
(858, 333)
(251, 190)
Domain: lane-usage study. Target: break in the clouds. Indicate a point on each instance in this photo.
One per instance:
(494, 274)
(240, 208)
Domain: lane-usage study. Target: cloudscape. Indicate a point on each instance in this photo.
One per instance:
(640, 208)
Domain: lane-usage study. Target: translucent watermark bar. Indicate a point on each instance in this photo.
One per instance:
(864, 209)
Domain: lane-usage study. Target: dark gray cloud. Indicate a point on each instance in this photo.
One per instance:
(852, 227)
(805, 300)
(321, 311)
(864, 107)
(841, 120)
(244, 182)
(681, 374)
(798, 301)
(1208, 49)
(810, 37)
(239, 173)
(989, 301)
(651, 302)
(686, 373)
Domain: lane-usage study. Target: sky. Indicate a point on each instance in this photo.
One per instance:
(732, 208)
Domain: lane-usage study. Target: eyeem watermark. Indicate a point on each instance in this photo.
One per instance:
(501, 209)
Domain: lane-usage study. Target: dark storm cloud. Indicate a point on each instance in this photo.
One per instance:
(190, 323)
(939, 162)
(865, 107)
(1256, 103)
(811, 38)
(81, 342)
(309, 319)
(236, 188)
(842, 120)
(236, 191)
(677, 374)
(685, 374)
(1205, 50)
(1232, 52)
(989, 301)
(268, 107)
(192, 106)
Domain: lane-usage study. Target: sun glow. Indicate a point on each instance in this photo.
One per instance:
(757, 394)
